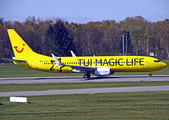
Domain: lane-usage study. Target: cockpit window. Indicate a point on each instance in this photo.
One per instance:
(157, 61)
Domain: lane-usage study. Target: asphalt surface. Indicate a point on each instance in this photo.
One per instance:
(34, 80)
(85, 91)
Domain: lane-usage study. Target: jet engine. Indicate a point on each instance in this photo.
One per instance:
(102, 71)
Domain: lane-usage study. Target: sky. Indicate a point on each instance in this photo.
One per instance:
(84, 11)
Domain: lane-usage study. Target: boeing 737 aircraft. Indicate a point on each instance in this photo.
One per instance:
(97, 65)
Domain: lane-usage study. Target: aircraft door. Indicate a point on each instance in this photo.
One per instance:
(37, 64)
(147, 62)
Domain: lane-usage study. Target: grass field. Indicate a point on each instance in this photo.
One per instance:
(51, 86)
(10, 70)
(127, 106)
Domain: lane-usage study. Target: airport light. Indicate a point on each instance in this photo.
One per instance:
(126, 42)
(123, 44)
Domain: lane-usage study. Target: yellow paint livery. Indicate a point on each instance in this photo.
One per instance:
(97, 65)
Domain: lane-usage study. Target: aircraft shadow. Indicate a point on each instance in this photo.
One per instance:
(40, 78)
(108, 77)
(116, 77)
(92, 77)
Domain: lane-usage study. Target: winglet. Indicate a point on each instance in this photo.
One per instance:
(56, 61)
(73, 55)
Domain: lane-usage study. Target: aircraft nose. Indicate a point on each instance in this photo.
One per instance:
(163, 65)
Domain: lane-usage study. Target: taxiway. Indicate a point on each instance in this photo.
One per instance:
(36, 80)
(85, 91)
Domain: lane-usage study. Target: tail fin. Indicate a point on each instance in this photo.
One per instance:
(20, 48)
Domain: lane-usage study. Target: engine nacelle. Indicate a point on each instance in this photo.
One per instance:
(103, 71)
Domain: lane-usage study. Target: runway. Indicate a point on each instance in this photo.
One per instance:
(35, 80)
(85, 91)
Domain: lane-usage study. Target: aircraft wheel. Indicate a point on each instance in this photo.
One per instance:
(150, 75)
(86, 75)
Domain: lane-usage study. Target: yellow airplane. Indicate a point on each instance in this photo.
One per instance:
(97, 65)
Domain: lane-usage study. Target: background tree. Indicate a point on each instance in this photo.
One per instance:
(138, 39)
(58, 40)
(165, 38)
(93, 38)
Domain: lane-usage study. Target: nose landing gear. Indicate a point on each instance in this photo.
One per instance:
(150, 75)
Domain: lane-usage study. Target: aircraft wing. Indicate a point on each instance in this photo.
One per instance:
(74, 68)
(81, 68)
(73, 54)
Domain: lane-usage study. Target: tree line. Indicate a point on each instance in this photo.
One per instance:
(100, 38)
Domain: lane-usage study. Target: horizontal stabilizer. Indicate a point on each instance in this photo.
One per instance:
(19, 60)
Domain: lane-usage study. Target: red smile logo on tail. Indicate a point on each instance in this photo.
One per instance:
(18, 50)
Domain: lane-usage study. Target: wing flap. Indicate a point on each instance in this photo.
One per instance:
(81, 67)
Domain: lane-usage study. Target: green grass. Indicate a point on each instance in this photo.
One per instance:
(38, 87)
(127, 106)
(10, 70)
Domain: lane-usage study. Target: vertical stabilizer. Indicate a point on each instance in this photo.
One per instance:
(20, 48)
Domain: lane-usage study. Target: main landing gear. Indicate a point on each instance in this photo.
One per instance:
(150, 75)
(87, 75)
